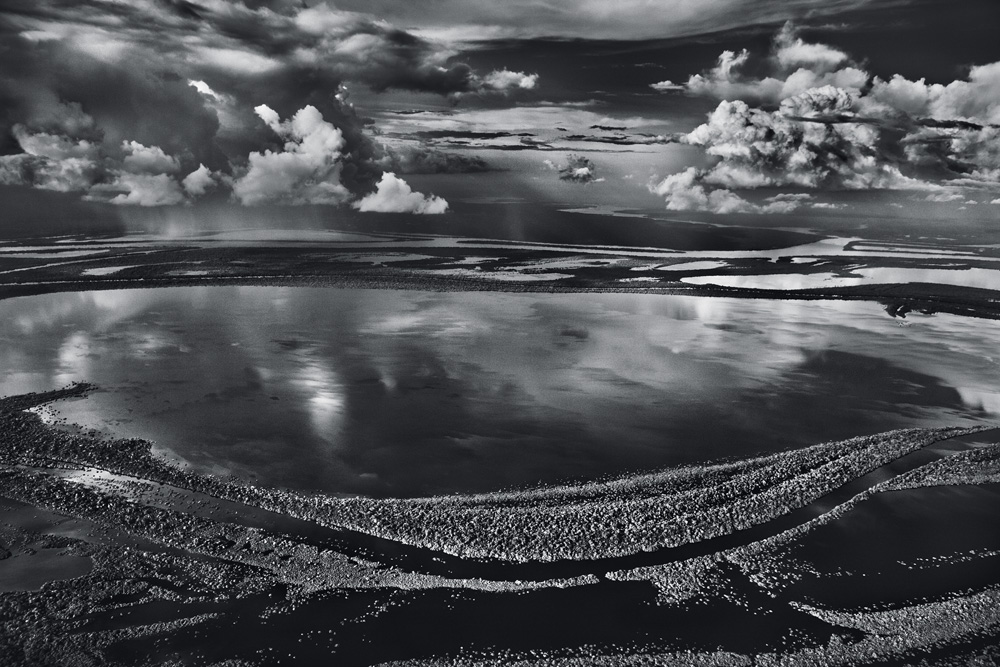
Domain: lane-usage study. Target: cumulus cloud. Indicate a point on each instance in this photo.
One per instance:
(394, 195)
(761, 148)
(976, 99)
(795, 67)
(819, 120)
(577, 169)
(685, 191)
(147, 190)
(134, 174)
(141, 159)
(169, 88)
(306, 171)
(199, 181)
(504, 80)
(51, 162)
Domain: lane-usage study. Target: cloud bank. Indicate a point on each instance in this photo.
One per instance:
(589, 19)
(820, 121)
(158, 103)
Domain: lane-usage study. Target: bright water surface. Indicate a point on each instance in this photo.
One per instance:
(412, 393)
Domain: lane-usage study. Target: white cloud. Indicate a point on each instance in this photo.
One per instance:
(204, 89)
(307, 171)
(504, 80)
(141, 159)
(53, 146)
(827, 123)
(51, 162)
(796, 66)
(944, 197)
(147, 190)
(67, 175)
(666, 86)
(394, 195)
(199, 181)
(761, 148)
(976, 99)
(792, 52)
(685, 191)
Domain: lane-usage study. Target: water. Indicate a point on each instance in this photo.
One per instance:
(404, 393)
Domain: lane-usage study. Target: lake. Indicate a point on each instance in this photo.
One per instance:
(408, 393)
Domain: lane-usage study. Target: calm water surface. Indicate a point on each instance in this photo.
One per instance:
(409, 393)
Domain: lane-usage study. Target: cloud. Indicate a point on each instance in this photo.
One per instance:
(141, 159)
(462, 20)
(944, 197)
(306, 171)
(118, 82)
(795, 65)
(685, 191)
(667, 86)
(819, 120)
(67, 175)
(505, 80)
(969, 151)
(425, 160)
(394, 195)
(147, 190)
(976, 99)
(51, 162)
(760, 148)
(199, 181)
(577, 169)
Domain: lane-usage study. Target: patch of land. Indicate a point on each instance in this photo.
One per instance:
(903, 279)
(177, 560)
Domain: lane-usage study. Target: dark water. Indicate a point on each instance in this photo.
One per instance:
(411, 393)
(421, 624)
(905, 547)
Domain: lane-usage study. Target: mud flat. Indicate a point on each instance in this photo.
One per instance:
(455, 264)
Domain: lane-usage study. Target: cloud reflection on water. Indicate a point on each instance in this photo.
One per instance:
(407, 393)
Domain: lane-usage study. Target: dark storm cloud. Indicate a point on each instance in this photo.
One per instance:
(427, 160)
(466, 134)
(625, 139)
(84, 87)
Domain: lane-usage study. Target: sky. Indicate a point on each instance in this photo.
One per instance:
(202, 108)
